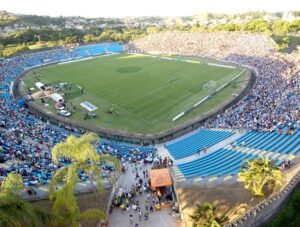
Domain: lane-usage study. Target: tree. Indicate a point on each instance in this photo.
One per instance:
(258, 25)
(12, 184)
(205, 216)
(294, 27)
(152, 30)
(72, 39)
(84, 157)
(261, 172)
(14, 211)
(116, 36)
(88, 38)
(105, 35)
(280, 27)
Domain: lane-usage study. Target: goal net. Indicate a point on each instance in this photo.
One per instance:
(209, 86)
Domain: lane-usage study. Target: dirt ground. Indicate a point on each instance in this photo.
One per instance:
(231, 200)
(85, 201)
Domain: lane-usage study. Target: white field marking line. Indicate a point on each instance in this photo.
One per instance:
(177, 78)
(168, 99)
(192, 61)
(162, 115)
(155, 90)
(168, 113)
(150, 114)
(172, 59)
(227, 82)
(127, 111)
(185, 106)
(75, 60)
(232, 72)
(134, 115)
(160, 88)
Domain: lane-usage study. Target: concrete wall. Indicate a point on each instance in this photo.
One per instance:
(268, 209)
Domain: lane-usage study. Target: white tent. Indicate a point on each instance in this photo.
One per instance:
(39, 85)
(56, 97)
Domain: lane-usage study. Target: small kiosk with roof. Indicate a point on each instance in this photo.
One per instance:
(162, 185)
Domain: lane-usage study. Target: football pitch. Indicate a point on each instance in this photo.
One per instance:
(145, 92)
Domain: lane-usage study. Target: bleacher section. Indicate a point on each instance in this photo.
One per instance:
(98, 49)
(21, 146)
(125, 149)
(229, 160)
(197, 142)
(220, 162)
(272, 142)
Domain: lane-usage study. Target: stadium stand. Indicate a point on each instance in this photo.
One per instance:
(229, 160)
(270, 110)
(125, 150)
(25, 140)
(98, 49)
(272, 103)
(220, 162)
(197, 142)
(273, 142)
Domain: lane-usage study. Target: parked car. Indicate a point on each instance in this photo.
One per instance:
(64, 113)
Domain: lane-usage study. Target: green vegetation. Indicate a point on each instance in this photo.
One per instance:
(260, 173)
(286, 41)
(289, 216)
(83, 156)
(6, 19)
(205, 216)
(47, 36)
(16, 212)
(145, 92)
(40, 20)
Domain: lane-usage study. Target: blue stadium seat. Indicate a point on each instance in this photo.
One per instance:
(271, 141)
(197, 142)
(220, 162)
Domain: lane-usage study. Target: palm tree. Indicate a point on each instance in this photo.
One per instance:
(14, 211)
(261, 172)
(83, 156)
(205, 216)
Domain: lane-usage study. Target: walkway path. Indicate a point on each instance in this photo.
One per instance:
(120, 218)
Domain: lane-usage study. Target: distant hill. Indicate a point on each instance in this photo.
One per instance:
(6, 18)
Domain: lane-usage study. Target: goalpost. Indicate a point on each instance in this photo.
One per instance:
(211, 89)
(209, 86)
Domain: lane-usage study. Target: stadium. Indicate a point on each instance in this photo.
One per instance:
(118, 104)
(178, 113)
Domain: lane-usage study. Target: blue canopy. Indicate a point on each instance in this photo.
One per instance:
(21, 102)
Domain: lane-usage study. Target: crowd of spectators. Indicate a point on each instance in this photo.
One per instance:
(273, 102)
(25, 139)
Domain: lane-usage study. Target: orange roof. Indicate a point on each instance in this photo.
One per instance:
(160, 177)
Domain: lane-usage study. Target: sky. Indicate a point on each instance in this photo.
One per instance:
(123, 8)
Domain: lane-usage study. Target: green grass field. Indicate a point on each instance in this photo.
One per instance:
(147, 92)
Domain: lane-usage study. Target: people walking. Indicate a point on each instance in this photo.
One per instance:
(140, 214)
